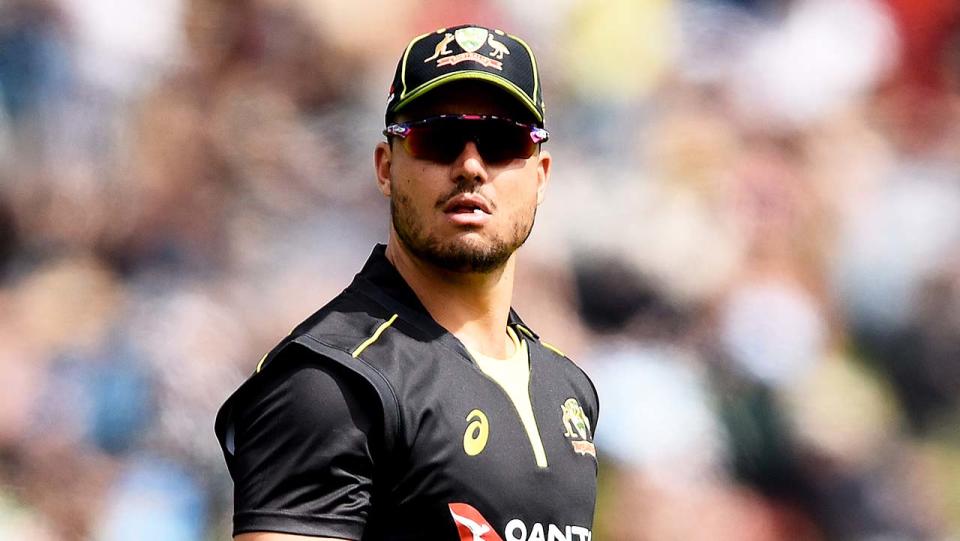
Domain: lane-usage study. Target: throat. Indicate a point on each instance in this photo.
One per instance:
(474, 307)
(503, 347)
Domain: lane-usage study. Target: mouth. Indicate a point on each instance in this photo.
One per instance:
(470, 211)
(467, 204)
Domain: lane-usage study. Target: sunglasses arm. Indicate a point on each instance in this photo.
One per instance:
(397, 130)
(539, 135)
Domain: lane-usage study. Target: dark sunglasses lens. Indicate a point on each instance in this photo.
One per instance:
(500, 141)
(439, 141)
(443, 140)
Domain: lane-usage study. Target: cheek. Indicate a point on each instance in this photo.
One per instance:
(522, 200)
(414, 193)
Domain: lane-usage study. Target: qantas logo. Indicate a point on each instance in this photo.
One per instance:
(517, 531)
(473, 527)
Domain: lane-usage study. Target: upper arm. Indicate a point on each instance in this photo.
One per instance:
(303, 459)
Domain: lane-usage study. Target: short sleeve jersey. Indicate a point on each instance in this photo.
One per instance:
(372, 422)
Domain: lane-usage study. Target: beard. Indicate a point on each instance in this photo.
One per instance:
(457, 254)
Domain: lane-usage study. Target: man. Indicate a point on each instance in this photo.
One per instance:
(417, 404)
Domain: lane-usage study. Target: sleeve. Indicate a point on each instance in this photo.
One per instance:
(302, 458)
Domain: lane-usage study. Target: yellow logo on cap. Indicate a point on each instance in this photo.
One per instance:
(499, 49)
(441, 48)
(471, 38)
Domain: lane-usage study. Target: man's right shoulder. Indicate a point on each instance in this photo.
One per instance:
(336, 329)
(342, 322)
(328, 339)
(331, 335)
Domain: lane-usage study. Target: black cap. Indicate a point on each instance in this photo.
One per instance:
(466, 52)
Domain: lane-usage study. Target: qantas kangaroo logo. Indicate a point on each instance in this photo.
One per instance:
(471, 525)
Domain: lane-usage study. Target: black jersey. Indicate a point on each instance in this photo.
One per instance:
(370, 421)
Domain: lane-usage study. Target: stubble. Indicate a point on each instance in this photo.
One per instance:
(457, 254)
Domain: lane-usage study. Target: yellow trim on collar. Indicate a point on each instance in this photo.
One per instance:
(260, 364)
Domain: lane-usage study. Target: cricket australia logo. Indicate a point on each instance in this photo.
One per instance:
(577, 428)
(470, 40)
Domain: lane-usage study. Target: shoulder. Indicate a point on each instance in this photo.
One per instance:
(311, 379)
(297, 389)
(300, 394)
(558, 359)
(344, 323)
(335, 336)
(567, 369)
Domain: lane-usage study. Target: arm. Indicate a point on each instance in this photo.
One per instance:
(301, 455)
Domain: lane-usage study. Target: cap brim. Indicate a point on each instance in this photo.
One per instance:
(498, 81)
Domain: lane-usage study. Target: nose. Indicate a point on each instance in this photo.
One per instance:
(469, 165)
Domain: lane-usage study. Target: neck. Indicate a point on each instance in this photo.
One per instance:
(472, 306)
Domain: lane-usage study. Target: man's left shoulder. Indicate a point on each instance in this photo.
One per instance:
(560, 363)
(549, 351)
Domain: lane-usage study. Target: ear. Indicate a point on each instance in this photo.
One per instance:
(544, 162)
(382, 157)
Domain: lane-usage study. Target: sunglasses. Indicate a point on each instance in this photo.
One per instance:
(441, 138)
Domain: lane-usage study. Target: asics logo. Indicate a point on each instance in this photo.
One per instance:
(478, 430)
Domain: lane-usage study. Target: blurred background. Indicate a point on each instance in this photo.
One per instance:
(751, 241)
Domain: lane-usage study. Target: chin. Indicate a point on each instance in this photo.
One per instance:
(476, 255)
(465, 255)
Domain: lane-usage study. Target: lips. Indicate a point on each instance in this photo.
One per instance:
(466, 204)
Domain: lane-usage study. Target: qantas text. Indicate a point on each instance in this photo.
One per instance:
(517, 530)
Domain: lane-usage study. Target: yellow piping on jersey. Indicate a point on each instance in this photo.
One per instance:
(260, 364)
(525, 330)
(551, 347)
(376, 335)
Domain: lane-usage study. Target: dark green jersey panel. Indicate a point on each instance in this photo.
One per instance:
(372, 422)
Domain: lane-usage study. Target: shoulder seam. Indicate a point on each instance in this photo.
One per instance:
(374, 337)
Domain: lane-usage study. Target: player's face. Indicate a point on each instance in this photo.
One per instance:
(469, 214)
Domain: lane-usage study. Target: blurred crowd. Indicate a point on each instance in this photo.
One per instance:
(751, 241)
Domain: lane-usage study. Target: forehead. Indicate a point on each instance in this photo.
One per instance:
(466, 97)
